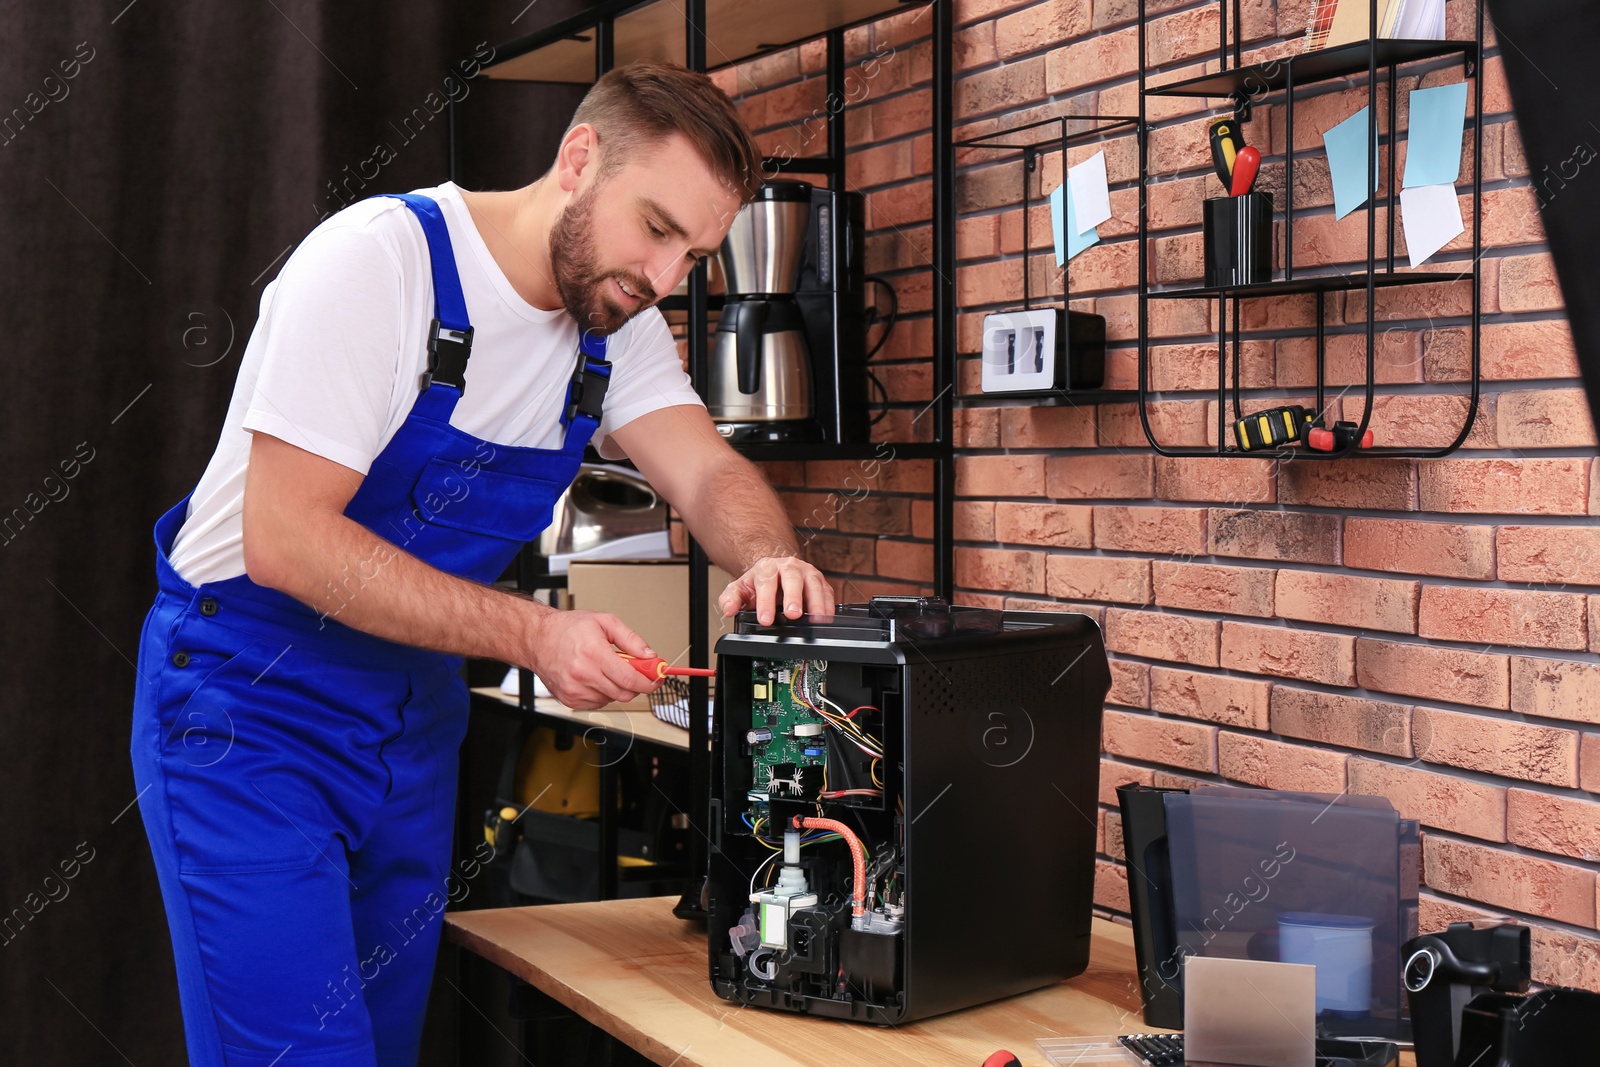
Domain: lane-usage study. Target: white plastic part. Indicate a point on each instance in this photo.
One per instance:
(1019, 350)
(808, 729)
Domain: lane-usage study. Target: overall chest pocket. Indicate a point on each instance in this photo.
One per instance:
(493, 503)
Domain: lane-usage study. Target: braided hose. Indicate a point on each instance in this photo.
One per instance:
(858, 854)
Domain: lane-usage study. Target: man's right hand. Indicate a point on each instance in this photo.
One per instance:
(571, 652)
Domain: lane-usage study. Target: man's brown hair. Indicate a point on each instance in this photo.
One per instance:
(640, 104)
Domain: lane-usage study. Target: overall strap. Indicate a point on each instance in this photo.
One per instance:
(587, 391)
(450, 333)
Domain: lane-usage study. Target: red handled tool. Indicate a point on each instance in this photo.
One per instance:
(658, 668)
(1245, 166)
(1338, 438)
(1001, 1058)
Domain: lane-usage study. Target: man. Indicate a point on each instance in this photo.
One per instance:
(418, 391)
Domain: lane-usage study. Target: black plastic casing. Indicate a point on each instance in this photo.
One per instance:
(991, 729)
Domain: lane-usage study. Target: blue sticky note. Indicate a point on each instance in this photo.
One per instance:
(1063, 218)
(1350, 145)
(1433, 141)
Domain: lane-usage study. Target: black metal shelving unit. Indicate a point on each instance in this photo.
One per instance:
(1032, 150)
(714, 33)
(1249, 85)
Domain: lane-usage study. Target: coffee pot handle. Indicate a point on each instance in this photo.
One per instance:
(752, 317)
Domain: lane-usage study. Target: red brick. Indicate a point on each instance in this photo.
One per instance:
(1441, 801)
(1000, 476)
(1171, 742)
(1389, 484)
(1435, 913)
(1174, 422)
(1047, 427)
(1157, 635)
(1075, 577)
(1113, 774)
(1563, 959)
(1545, 418)
(1298, 537)
(1286, 653)
(1277, 765)
(1130, 684)
(1449, 550)
(999, 88)
(1113, 844)
(1504, 747)
(1555, 689)
(998, 568)
(1424, 421)
(1039, 27)
(1503, 879)
(1554, 554)
(1208, 587)
(1100, 477)
(1505, 486)
(1057, 525)
(976, 427)
(1181, 368)
(1167, 531)
(841, 555)
(1504, 616)
(876, 514)
(1348, 600)
(1349, 722)
(1594, 620)
(1589, 763)
(1232, 482)
(1397, 358)
(1240, 702)
(1563, 825)
(1528, 283)
(1458, 675)
(1507, 351)
(1111, 886)
(974, 521)
(1098, 59)
(910, 560)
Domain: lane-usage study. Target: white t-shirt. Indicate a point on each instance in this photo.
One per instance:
(336, 358)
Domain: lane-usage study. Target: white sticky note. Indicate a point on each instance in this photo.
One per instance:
(1091, 196)
(1431, 217)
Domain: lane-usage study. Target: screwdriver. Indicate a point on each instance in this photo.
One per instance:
(658, 668)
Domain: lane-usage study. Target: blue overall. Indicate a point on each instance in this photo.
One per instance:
(297, 777)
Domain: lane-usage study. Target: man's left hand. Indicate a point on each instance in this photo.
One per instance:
(774, 580)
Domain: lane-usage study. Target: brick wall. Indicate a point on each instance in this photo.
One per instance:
(1420, 630)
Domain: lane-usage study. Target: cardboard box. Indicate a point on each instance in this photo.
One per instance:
(651, 596)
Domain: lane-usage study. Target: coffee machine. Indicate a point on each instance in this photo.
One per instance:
(789, 353)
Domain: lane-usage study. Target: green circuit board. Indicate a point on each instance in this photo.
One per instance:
(798, 737)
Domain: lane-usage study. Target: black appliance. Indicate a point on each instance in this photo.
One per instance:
(831, 295)
(954, 752)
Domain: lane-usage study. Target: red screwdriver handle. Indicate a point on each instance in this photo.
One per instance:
(658, 668)
(1245, 165)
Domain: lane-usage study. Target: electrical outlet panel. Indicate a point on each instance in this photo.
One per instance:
(1043, 350)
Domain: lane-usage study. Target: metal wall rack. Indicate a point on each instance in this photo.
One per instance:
(1247, 86)
(1069, 132)
(705, 35)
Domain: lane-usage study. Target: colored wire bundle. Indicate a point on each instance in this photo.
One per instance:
(858, 856)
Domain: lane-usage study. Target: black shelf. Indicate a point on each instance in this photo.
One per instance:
(1326, 283)
(1326, 64)
(1100, 126)
(1051, 397)
(803, 450)
(1245, 85)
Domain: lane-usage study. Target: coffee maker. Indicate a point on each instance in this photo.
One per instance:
(788, 356)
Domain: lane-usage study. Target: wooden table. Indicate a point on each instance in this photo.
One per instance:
(632, 720)
(636, 972)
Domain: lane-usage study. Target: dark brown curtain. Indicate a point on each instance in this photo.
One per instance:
(160, 158)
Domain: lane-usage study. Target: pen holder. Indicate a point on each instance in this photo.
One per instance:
(1238, 239)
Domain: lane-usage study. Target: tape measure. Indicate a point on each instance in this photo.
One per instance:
(1272, 428)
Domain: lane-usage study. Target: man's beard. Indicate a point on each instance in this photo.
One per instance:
(584, 287)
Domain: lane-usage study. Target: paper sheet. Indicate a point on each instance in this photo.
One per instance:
(1433, 138)
(1350, 145)
(1431, 217)
(1091, 195)
(1064, 227)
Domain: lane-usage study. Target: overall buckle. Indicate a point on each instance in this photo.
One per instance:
(587, 393)
(448, 351)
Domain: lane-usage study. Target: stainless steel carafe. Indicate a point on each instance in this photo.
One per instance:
(760, 365)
